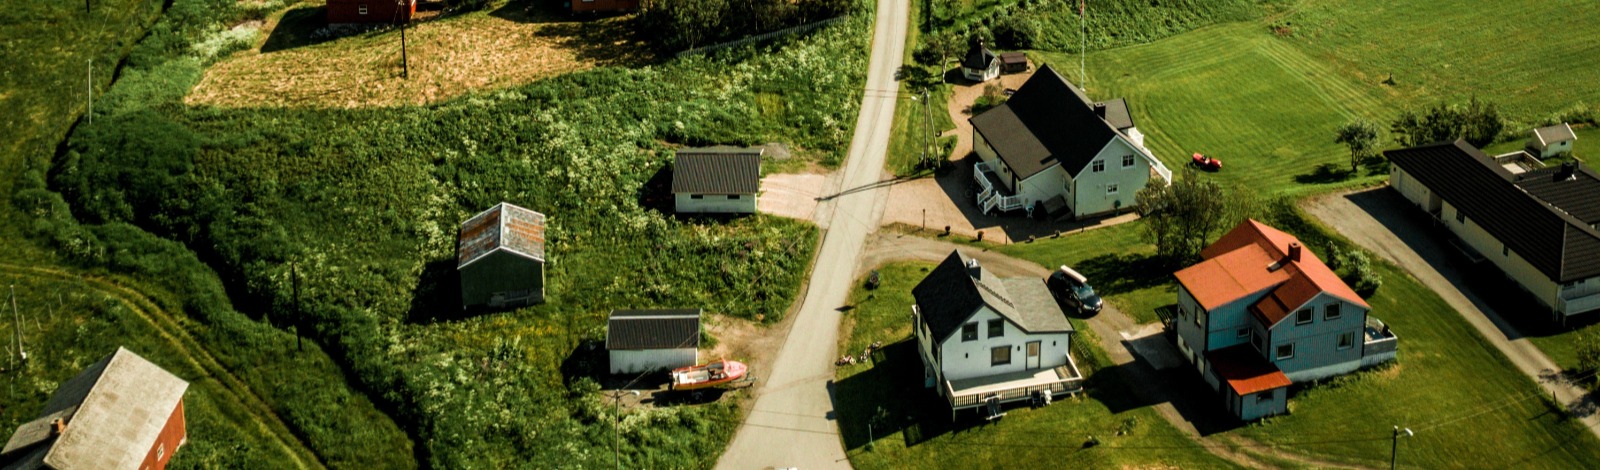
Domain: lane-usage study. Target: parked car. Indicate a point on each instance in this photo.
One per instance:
(1072, 291)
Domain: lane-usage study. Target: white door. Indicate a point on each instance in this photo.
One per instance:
(1033, 355)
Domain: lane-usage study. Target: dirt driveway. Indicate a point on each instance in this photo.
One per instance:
(1384, 222)
(792, 195)
(937, 201)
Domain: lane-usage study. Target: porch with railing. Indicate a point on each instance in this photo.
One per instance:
(1005, 388)
(1379, 344)
(992, 194)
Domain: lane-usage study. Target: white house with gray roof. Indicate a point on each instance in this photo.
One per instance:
(1551, 141)
(718, 180)
(985, 340)
(647, 340)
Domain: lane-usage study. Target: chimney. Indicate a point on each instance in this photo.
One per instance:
(1100, 110)
(973, 269)
(1568, 172)
(58, 426)
(1294, 251)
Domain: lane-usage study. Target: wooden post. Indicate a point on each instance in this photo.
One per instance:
(405, 65)
(16, 317)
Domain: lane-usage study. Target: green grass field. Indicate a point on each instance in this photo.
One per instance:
(914, 430)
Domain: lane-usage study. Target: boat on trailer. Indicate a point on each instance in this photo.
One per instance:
(709, 375)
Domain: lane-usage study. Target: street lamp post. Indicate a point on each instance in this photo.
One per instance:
(1394, 448)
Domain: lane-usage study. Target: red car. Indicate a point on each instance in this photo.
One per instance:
(1206, 163)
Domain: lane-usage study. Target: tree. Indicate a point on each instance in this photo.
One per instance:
(1362, 137)
(1478, 122)
(1181, 218)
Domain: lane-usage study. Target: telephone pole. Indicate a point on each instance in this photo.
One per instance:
(16, 319)
(90, 88)
(927, 144)
(405, 65)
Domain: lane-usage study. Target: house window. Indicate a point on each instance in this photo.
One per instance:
(1331, 312)
(969, 332)
(1000, 356)
(1347, 340)
(1111, 188)
(1127, 161)
(1505, 250)
(1302, 317)
(1242, 333)
(1569, 285)
(161, 451)
(997, 328)
(362, 9)
(1255, 340)
(1200, 317)
(1285, 351)
(1264, 397)
(697, 196)
(1098, 166)
(733, 197)
(1461, 217)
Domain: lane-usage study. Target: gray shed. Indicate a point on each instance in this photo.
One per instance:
(500, 257)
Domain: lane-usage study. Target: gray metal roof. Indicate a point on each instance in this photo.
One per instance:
(717, 171)
(1046, 122)
(952, 293)
(653, 329)
(1117, 114)
(1553, 240)
(114, 412)
(505, 226)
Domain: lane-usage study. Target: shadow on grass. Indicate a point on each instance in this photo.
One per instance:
(437, 295)
(295, 29)
(890, 397)
(1120, 273)
(1136, 385)
(1326, 173)
(604, 38)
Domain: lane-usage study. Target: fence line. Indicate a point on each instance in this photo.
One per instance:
(764, 36)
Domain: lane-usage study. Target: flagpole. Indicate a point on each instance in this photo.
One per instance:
(1083, 44)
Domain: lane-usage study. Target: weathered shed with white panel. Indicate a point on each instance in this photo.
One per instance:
(649, 340)
(716, 180)
(1552, 141)
(500, 256)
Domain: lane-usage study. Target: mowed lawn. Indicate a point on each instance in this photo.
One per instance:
(1468, 404)
(911, 426)
(1118, 262)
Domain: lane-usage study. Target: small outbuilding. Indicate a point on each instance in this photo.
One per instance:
(500, 257)
(716, 180)
(1013, 62)
(121, 413)
(980, 64)
(650, 340)
(371, 11)
(1552, 141)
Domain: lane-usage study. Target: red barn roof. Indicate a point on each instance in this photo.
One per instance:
(1253, 257)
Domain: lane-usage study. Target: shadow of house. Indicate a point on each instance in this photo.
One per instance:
(533, 11)
(656, 193)
(602, 38)
(587, 360)
(298, 28)
(437, 294)
(890, 397)
(1136, 385)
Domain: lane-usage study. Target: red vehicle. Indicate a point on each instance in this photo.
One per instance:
(1206, 163)
(709, 375)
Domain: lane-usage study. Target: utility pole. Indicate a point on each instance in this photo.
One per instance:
(16, 319)
(927, 144)
(616, 431)
(1083, 43)
(299, 317)
(91, 91)
(405, 65)
(1394, 448)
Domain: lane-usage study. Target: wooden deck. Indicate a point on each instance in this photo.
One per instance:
(972, 393)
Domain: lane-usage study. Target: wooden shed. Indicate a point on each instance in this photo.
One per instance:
(121, 413)
(371, 11)
(716, 180)
(648, 340)
(500, 257)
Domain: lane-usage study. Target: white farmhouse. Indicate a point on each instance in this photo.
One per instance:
(716, 181)
(648, 340)
(1049, 148)
(986, 340)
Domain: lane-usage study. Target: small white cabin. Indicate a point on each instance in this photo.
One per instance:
(649, 340)
(716, 181)
(1552, 141)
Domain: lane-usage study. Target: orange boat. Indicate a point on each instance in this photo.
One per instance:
(708, 375)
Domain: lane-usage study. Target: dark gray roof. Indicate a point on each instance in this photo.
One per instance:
(505, 226)
(953, 292)
(1013, 58)
(1555, 242)
(114, 411)
(1577, 193)
(1046, 122)
(653, 329)
(1117, 114)
(978, 57)
(717, 171)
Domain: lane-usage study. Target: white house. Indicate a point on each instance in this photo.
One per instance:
(1259, 313)
(1551, 141)
(1540, 227)
(986, 340)
(1049, 148)
(649, 340)
(980, 64)
(716, 180)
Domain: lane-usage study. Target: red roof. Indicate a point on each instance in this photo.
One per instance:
(1244, 370)
(1253, 257)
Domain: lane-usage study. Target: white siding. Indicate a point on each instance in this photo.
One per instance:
(1090, 196)
(1530, 278)
(636, 361)
(968, 359)
(715, 204)
(1044, 185)
(986, 154)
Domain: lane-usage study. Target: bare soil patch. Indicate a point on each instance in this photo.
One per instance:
(294, 65)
